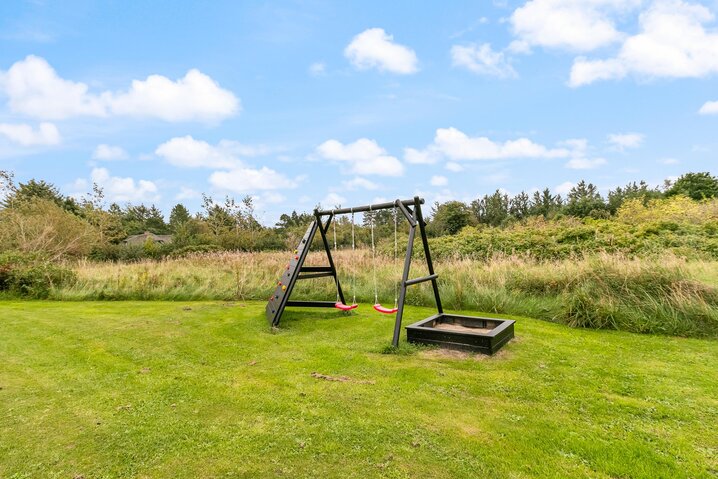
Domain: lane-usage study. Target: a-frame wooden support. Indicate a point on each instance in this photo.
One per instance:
(295, 269)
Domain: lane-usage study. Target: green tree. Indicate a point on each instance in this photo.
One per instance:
(293, 220)
(449, 218)
(491, 210)
(178, 216)
(519, 206)
(584, 200)
(140, 218)
(640, 190)
(34, 189)
(697, 186)
(545, 204)
(108, 223)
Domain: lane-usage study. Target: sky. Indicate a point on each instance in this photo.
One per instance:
(299, 103)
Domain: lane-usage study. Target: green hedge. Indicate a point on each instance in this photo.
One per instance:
(551, 240)
(30, 276)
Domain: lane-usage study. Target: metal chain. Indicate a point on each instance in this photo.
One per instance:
(334, 224)
(354, 271)
(396, 249)
(373, 256)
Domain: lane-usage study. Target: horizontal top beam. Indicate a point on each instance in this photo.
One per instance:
(362, 209)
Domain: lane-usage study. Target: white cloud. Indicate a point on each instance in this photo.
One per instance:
(438, 180)
(669, 161)
(622, 141)
(360, 183)
(709, 108)
(317, 69)
(672, 42)
(195, 96)
(456, 146)
(374, 48)
(332, 200)
(186, 193)
(482, 60)
(186, 152)
(585, 163)
(564, 188)
(420, 157)
(271, 197)
(35, 89)
(567, 24)
(105, 152)
(248, 180)
(365, 156)
(124, 189)
(26, 135)
(453, 166)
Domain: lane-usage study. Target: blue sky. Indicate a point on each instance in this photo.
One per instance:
(302, 102)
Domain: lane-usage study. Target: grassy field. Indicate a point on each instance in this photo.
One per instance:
(659, 295)
(206, 389)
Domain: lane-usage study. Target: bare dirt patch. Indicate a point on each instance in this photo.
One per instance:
(342, 379)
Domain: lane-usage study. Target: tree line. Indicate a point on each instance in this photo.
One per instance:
(36, 216)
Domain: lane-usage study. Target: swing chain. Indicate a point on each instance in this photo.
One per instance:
(373, 255)
(334, 225)
(354, 272)
(396, 249)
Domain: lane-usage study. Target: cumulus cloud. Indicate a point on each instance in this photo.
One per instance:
(709, 108)
(124, 189)
(374, 48)
(105, 152)
(187, 193)
(360, 183)
(186, 152)
(564, 188)
(567, 24)
(454, 167)
(672, 42)
(438, 180)
(585, 163)
(482, 60)
(34, 88)
(420, 157)
(23, 134)
(248, 180)
(456, 145)
(333, 199)
(364, 156)
(622, 141)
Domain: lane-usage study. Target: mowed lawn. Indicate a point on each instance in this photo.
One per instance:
(185, 390)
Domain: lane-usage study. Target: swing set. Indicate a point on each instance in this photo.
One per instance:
(485, 335)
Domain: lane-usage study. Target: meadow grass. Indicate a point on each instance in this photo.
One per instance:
(663, 295)
(207, 389)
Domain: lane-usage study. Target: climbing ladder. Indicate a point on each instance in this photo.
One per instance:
(295, 270)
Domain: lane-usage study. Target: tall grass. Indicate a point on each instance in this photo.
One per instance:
(662, 295)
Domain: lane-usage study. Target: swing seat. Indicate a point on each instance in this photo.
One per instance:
(378, 307)
(345, 307)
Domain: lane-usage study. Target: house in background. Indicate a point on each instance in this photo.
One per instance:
(142, 238)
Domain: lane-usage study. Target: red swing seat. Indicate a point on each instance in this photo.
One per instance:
(345, 307)
(378, 307)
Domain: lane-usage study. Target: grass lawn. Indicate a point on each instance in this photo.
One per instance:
(205, 389)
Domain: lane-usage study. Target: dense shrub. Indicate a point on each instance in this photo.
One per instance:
(678, 225)
(30, 276)
(42, 227)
